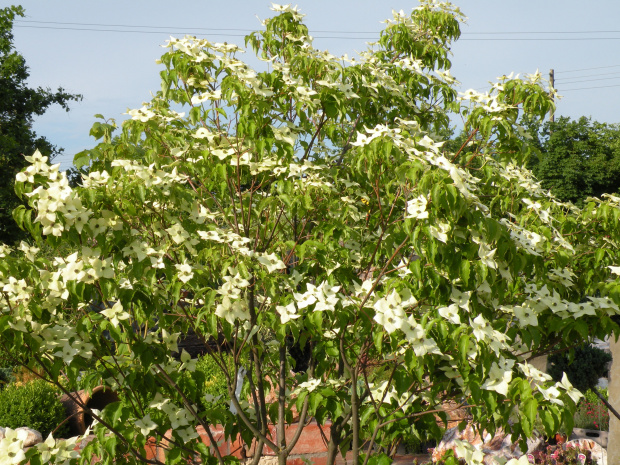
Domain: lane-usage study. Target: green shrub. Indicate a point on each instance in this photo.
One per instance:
(588, 365)
(35, 405)
(211, 380)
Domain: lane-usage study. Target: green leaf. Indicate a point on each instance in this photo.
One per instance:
(330, 106)
(530, 410)
(549, 421)
(18, 216)
(109, 445)
(141, 192)
(377, 338)
(464, 271)
(464, 348)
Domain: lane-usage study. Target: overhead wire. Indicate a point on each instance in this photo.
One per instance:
(221, 34)
(319, 31)
(60, 25)
(587, 75)
(587, 69)
(590, 80)
(588, 88)
(229, 32)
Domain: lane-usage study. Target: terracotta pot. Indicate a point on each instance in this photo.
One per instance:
(560, 438)
(78, 419)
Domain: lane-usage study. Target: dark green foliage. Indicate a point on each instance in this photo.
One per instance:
(19, 104)
(583, 369)
(6, 376)
(35, 405)
(577, 159)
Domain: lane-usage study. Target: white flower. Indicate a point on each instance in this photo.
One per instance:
(570, 390)
(469, 453)
(440, 232)
(271, 262)
(533, 373)
(416, 208)
(187, 434)
(451, 313)
(614, 269)
(67, 353)
(523, 460)
(211, 399)
(481, 329)
(486, 255)
(146, 425)
(389, 312)
(499, 377)
(551, 394)
(115, 314)
(143, 114)
(185, 272)
(287, 313)
(526, 316)
(170, 340)
(461, 298)
(11, 451)
(309, 385)
(232, 310)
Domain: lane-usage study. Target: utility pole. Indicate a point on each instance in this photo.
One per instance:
(552, 84)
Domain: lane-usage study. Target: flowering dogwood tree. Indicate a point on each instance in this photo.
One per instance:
(313, 203)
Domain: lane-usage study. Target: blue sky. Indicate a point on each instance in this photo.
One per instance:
(116, 70)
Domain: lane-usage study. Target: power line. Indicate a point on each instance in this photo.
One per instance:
(174, 32)
(588, 88)
(589, 80)
(119, 30)
(588, 69)
(166, 30)
(128, 25)
(179, 27)
(543, 32)
(326, 32)
(573, 39)
(589, 75)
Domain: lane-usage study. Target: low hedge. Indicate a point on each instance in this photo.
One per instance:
(35, 405)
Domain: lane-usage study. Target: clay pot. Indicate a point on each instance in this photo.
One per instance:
(560, 438)
(78, 419)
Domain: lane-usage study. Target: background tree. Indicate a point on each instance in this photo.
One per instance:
(19, 104)
(577, 159)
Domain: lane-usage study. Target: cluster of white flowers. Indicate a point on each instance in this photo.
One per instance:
(56, 200)
(324, 297)
(527, 240)
(61, 340)
(181, 420)
(233, 306)
(385, 392)
(148, 176)
(390, 310)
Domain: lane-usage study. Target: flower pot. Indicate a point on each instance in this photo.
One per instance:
(79, 420)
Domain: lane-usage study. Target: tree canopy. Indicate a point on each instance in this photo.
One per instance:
(19, 105)
(577, 159)
(310, 201)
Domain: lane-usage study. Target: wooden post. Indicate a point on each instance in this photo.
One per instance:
(552, 84)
